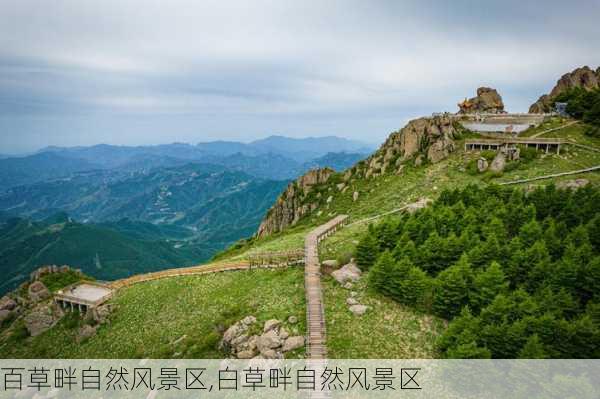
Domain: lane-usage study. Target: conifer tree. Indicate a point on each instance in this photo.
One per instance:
(367, 250)
(533, 349)
(486, 285)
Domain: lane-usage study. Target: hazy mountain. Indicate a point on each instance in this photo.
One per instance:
(38, 167)
(300, 150)
(305, 149)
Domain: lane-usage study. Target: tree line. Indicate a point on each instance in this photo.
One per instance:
(516, 274)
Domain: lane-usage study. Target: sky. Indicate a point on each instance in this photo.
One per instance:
(135, 72)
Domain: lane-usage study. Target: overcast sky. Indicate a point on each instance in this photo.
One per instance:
(147, 72)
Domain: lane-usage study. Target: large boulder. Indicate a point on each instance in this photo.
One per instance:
(349, 272)
(271, 325)
(487, 101)
(482, 164)
(7, 303)
(584, 77)
(358, 310)
(499, 162)
(38, 292)
(293, 343)
(42, 318)
(269, 340)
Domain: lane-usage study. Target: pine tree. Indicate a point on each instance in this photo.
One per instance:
(533, 349)
(367, 251)
(416, 287)
(452, 287)
(381, 271)
(486, 285)
(530, 233)
(468, 351)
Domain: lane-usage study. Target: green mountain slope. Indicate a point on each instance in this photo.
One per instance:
(100, 252)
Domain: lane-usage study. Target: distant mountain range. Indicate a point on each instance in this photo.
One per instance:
(275, 157)
(189, 200)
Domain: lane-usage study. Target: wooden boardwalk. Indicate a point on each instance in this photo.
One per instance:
(316, 344)
(183, 271)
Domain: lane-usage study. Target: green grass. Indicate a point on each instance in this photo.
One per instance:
(56, 281)
(387, 330)
(150, 316)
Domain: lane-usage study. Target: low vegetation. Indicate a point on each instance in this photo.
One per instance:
(197, 308)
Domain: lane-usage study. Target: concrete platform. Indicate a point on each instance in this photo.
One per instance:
(83, 295)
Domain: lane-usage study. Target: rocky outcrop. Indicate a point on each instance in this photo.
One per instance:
(292, 205)
(431, 137)
(38, 292)
(42, 318)
(584, 77)
(271, 344)
(487, 101)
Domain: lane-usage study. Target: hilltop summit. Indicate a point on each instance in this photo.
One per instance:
(583, 77)
(487, 101)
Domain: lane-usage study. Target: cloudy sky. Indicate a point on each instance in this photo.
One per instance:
(146, 72)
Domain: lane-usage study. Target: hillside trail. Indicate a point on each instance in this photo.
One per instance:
(316, 346)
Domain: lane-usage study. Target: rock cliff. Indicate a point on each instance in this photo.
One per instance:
(583, 77)
(294, 203)
(430, 137)
(487, 101)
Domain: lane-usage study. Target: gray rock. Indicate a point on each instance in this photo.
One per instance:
(249, 320)
(239, 340)
(7, 303)
(38, 291)
(41, 319)
(329, 199)
(482, 164)
(246, 354)
(355, 196)
(292, 320)
(348, 285)
(283, 333)
(353, 293)
(573, 184)
(271, 325)
(419, 160)
(351, 301)
(329, 263)
(349, 272)
(293, 343)
(358, 310)
(271, 354)
(233, 332)
(269, 340)
(499, 162)
(101, 313)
